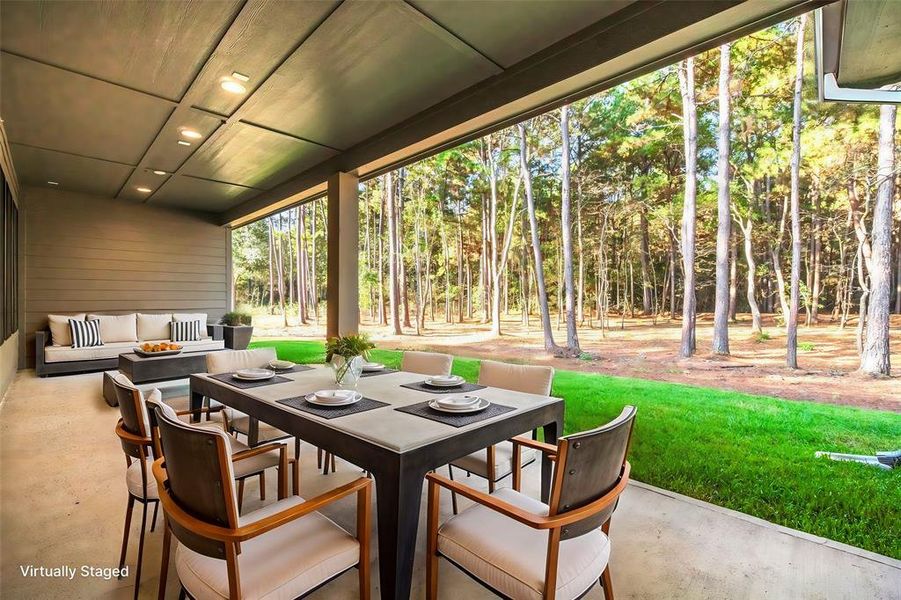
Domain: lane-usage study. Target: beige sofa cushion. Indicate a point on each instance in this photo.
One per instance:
(117, 328)
(510, 557)
(181, 317)
(153, 327)
(286, 562)
(53, 354)
(60, 330)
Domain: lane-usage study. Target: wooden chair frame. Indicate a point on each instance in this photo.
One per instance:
(233, 536)
(554, 522)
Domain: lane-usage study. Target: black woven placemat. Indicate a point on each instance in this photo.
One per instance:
(331, 412)
(230, 379)
(294, 369)
(422, 409)
(422, 386)
(384, 371)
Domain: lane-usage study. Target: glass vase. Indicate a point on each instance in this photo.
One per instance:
(347, 371)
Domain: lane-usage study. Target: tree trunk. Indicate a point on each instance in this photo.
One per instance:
(875, 358)
(747, 229)
(280, 272)
(690, 132)
(382, 313)
(733, 277)
(646, 299)
(401, 262)
(301, 266)
(271, 265)
(776, 256)
(815, 260)
(580, 298)
(572, 334)
(791, 356)
(724, 214)
(393, 287)
(549, 343)
(314, 287)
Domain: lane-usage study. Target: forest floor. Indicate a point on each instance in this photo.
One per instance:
(637, 347)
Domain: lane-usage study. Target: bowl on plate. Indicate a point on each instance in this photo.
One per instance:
(334, 396)
(281, 365)
(444, 380)
(254, 374)
(457, 401)
(371, 367)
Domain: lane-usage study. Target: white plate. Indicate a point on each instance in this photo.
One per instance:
(482, 405)
(457, 401)
(370, 367)
(356, 397)
(281, 365)
(452, 381)
(333, 396)
(254, 374)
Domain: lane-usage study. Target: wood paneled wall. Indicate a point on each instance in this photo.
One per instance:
(90, 254)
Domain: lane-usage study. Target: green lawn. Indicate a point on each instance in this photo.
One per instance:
(754, 454)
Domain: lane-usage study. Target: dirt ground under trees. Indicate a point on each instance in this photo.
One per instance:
(637, 347)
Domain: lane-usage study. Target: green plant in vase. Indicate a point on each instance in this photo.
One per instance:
(346, 354)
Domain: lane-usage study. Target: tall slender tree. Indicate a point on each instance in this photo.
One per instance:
(393, 283)
(566, 225)
(724, 212)
(689, 209)
(791, 355)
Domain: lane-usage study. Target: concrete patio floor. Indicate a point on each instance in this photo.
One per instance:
(62, 502)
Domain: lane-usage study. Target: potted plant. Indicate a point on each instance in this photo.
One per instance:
(237, 329)
(346, 354)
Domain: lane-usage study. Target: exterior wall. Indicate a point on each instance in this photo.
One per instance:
(9, 348)
(85, 253)
(9, 358)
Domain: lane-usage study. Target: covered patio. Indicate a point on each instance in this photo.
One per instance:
(134, 138)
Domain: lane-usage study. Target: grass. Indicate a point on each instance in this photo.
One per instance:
(754, 454)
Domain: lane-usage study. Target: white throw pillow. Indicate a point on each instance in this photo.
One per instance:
(153, 327)
(117, 328)
(60, 332)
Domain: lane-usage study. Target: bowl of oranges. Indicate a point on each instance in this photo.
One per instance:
(157, 349)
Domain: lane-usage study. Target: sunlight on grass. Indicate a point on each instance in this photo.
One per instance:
(754, 454)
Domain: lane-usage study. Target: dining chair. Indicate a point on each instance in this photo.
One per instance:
(229, 361)
(248, 462)
(285, 550)
(496, 462)
(521, 548)
(133, 430)
(426, 363)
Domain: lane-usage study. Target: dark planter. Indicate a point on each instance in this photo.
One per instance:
(237, 337)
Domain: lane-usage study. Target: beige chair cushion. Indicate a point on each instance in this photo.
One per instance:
(477, 462)
(54, 354)
(240, 422)
(135, 483)
(153, 327)
(117, 328)
(60, 330)
(229, 361)
(510, 557)
(286, 562)
(519, 378)
(181, 317)
(427, 363)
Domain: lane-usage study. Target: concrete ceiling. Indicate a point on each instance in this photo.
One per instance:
(870, 52)
(94, 94)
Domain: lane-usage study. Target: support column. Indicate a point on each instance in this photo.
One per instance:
(342, 294)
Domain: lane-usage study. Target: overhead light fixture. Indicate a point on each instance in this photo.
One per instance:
(191, 134)
(53, 182)
(232, 86)
(183, 143)
(144, 190)
(241, 77)
(158, 172)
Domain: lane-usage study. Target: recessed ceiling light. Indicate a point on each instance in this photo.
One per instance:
(144, 190)
(191, 134)
(241, 76)
(232, 86)
(183, 143)
(158, 172)
(53, 182)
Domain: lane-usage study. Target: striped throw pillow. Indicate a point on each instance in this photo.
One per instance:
(185, 331)
(85, 334)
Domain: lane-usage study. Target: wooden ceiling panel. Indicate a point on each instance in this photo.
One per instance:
(254, 157)
(506, 31)
(370, 65)
(36, 166)
(51, 108)
(166, 153)
(201, 194)
(156, 47)
(264, 36)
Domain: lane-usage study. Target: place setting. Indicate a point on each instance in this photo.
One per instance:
(283, 367)
(371, 369)
(457, 409)
(444, 384)
(250, 378)
(332, 403)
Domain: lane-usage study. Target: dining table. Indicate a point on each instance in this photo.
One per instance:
(398, 448)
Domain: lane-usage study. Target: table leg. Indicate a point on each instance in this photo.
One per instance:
(551, 431)
(398, 498)
(196, 405)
